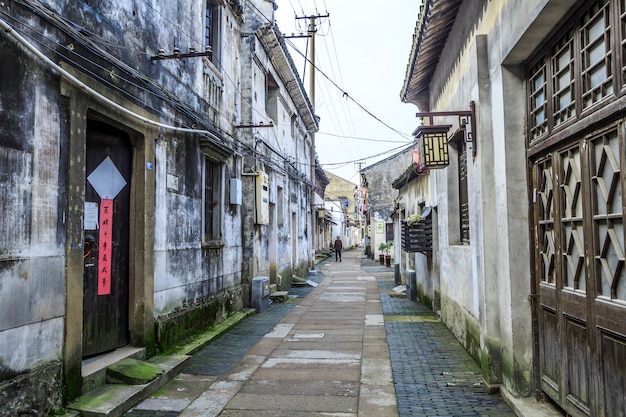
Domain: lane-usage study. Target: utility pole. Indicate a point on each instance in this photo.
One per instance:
(311, 34)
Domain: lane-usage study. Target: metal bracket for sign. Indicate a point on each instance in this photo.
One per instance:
(465, 117)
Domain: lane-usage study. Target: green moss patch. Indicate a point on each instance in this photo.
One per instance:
(132, 372)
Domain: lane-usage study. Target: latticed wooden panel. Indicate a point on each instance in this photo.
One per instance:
(418, 237)
(608, 221)
(545, 214)
(572, 236)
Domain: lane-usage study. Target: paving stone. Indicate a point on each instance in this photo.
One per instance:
(317, 354)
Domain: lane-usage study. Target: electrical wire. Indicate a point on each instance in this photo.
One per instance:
(370, 157)
(159, 91)
(345, 93)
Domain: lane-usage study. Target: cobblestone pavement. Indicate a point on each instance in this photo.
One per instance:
(433, 374)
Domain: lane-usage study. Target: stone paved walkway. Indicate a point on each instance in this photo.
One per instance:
(433, 374)
(345, 348)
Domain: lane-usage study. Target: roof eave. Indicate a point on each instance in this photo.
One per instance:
(434, 23)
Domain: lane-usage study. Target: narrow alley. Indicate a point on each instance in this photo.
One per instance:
(343, 348)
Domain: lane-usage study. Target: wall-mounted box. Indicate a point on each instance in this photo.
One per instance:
(262, 199)
(235, 191)
(260, 293)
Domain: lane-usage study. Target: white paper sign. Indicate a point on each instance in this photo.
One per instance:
(91, 216)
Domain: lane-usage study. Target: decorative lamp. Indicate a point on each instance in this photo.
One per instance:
(432, 143)
(432, 140)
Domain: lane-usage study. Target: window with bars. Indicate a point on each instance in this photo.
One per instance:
(212, 180)
(212, 31)
(575, 72)
(596, 54)
(538, 103)
(563, 97)
(463, 194)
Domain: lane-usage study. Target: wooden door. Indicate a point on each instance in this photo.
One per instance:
(579, 209)
(105, 316)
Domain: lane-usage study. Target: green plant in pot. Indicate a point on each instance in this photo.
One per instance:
(387, 251)
(381, 256)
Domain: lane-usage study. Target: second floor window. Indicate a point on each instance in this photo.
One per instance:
(212, 31)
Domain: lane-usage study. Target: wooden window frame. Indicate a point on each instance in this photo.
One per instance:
(212, 200)
(212, 32)
(569, 78)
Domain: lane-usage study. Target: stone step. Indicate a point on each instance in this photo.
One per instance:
(113, 400)
(94, 370)
(279, 296)
(131, 371)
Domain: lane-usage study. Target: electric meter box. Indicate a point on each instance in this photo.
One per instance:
(235, 191)
(262, 199)
(260, 293)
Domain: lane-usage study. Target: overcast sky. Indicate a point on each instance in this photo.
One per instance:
(363, 47)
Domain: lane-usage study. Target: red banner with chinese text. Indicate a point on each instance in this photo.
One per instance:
(106, 239)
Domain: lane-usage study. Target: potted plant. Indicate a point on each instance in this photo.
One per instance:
(387, 251)
(413, 219)
(381, 256)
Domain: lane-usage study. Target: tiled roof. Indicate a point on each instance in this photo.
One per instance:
(431, 33)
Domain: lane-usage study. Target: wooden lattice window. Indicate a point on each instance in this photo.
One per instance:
(596, 54)
(622, 38)
(608, 217)
(538, 103)
(571, 221)
(545, 219)
(563, 78)
(583, 65)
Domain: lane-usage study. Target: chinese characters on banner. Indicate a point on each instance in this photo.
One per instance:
(104, 254)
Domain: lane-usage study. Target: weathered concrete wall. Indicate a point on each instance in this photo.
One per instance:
(32, 286)
(284, 151)
(42, 145)
(179, 280)
(37, 393)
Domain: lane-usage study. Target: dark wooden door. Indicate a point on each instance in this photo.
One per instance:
(105, 316)
(579, 207)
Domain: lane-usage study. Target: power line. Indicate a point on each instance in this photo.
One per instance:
(369, 157)
(345, 93)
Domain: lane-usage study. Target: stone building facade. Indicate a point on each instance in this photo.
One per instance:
(155, 158)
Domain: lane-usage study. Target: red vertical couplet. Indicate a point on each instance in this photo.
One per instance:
(104, 254)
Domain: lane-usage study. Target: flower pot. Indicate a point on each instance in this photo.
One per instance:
(381, 258)
(388, 261)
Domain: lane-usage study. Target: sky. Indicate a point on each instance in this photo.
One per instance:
(362, 52)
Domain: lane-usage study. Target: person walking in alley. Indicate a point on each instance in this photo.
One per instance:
(338, 246)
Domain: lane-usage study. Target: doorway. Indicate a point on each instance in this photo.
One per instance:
(106, 246)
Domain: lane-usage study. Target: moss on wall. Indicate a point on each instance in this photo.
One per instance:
(38, 390)
(186, 322)
(424, 298)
